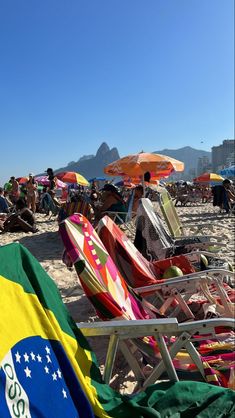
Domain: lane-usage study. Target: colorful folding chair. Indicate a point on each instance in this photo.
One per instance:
(113, 299)
(139, 272)
(80, 206)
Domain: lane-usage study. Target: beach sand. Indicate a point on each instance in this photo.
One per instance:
(47, 247)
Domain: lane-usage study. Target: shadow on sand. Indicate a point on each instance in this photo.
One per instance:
(46, 240)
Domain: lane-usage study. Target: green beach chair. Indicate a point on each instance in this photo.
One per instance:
(174, 224)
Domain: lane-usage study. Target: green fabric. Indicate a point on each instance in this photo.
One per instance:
(182, 399)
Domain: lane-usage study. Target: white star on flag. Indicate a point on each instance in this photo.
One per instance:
(54, 376)
(27, 372)
(64, 393)
(33, 357)
(46, 369)
(18, 357)
(59, 373)
(47, 350)
(39, 358)
(48, 359)
(26, 358)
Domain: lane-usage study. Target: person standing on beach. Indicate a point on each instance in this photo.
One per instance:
(14, 192)
(52, 179)
(31, 188)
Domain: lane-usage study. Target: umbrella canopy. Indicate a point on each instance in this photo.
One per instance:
(22, 180)
(45, 182)
(228, 171)
(97, 179)
(125, 183)
(72, 177)
(138, 164)
(208, 178)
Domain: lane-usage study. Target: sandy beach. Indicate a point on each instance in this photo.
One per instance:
(47, 247)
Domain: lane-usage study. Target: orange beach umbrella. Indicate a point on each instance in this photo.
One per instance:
(138, 164)
(22, 180)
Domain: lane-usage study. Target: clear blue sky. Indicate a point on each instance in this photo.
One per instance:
(137, 74)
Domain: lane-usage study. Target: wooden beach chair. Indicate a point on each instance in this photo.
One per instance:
(114, 300)
(139, 272)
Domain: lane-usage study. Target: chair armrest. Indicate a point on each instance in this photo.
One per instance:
(128, 329)
(186, 278)
(200, 236)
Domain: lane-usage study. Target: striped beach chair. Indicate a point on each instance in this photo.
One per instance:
(170, 348)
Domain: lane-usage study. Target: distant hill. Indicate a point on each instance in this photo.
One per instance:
(93, 165)
(188, 155)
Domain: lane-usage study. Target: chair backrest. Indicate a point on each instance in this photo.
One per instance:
(80, 206)
(99, 277)
(170, 215)
(123, 217)
(151, 238)
(136, 269)
(133, 266)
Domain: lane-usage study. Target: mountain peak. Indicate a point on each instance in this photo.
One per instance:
(102, 150)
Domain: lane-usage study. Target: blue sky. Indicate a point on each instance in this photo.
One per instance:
(137, 74)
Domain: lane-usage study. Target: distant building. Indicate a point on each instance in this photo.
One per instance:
(223, 155)
(203, 165)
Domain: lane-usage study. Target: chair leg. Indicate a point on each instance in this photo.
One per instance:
(160, 368)
(110, 357)
(133, 363)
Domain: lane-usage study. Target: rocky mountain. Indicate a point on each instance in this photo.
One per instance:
(188, 155)
(93, 165)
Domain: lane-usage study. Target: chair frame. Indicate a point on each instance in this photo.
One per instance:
(119, 332)
(166, 203)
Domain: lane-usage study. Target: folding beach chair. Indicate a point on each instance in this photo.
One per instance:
(47, 368)
(124, 218)
(114, 300)
(173, 221)
(80, 206)
(139, 272)
(154, 242)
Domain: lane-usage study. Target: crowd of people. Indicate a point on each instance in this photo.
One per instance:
(20, 202)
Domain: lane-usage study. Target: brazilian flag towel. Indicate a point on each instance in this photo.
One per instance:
(47, 368)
